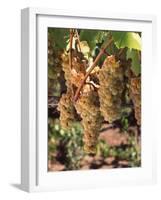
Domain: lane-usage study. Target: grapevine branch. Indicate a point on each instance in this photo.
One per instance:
(106, 53)
(121, 51)
(92, 67)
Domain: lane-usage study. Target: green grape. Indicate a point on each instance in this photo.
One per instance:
(135, 93)
(74, 75)
(112, 85)
(88, 107)
(54, 68)
(67, 110)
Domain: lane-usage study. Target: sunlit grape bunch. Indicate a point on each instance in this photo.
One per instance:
(67, 110)
(66, 68)
(111, 80)
(135, 93)
(87, 107)
(54, 60)
(75, 73)
(54, 67)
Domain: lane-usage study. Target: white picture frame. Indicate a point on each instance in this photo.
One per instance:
(34, 174)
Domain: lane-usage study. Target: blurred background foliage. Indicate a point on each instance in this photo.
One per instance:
(66, 152)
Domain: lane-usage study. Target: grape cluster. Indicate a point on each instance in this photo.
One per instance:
(135, 93)
(87, 107)
(101, 97)
(111, 79)
(66, 69)
(67, 110)
(54, 59)
(54, 68)
(74, 75)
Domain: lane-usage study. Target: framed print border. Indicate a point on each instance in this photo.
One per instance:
(34, 176)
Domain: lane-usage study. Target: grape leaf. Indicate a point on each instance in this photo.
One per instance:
(134, 55)
(92, 37)
(127, 39)
(84, 47)
(60, 36)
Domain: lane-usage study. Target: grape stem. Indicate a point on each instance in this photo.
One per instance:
(102, 50)
(121, 51)
(70, 48)
(78, 40)
(70, 53)
(106, 53)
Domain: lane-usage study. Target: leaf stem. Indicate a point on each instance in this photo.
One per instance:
(104, 46)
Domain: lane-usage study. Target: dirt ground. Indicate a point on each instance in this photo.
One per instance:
(114, 138)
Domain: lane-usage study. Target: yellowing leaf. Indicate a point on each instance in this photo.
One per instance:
(84, 47)
(127, 39)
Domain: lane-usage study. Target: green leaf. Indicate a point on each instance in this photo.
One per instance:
(127, 39)
(92, 37)
(60, 36)
(89, 36)
(134, 55)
